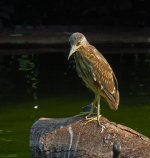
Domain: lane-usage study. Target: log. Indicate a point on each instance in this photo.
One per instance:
(73, 137)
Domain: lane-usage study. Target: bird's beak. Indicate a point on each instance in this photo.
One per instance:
(72, 50)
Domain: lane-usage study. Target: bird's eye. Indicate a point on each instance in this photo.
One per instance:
(78, 43)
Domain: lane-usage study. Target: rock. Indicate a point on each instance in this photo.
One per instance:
(75, 138)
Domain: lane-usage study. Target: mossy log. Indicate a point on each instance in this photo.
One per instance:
(75, 138)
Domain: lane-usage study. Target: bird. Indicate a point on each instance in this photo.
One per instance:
(96, 73)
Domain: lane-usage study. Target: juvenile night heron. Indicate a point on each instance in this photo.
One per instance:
(96, 72)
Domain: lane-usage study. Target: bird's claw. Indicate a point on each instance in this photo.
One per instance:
(89, 119)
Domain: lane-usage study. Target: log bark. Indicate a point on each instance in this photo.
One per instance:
(75, 138)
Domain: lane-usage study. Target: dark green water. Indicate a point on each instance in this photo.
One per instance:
(61, 93)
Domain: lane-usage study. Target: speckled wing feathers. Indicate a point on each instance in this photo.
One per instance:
(100, 71)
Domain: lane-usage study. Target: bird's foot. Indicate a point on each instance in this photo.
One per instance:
(89, 115)
(90, 119)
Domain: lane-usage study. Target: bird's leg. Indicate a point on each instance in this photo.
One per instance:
(85, 112)
(95, 102)
(98, 109)
(88, 112)
(91, 110)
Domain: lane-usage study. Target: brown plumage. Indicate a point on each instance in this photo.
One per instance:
(95, 71)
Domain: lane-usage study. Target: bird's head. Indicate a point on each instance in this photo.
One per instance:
(76, 40)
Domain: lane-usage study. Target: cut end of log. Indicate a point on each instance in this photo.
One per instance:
(72, 138)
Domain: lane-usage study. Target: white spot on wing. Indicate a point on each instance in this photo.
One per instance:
(114, 90)
(94, 76)
(95, 50)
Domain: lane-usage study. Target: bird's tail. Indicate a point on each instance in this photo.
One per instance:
(117, 100)
(113, 100)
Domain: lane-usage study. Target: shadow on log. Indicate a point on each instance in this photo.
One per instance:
(74, 138)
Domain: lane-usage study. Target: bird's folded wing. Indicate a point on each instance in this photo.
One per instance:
(102, 72)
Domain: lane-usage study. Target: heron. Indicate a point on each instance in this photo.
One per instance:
(96, 73)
